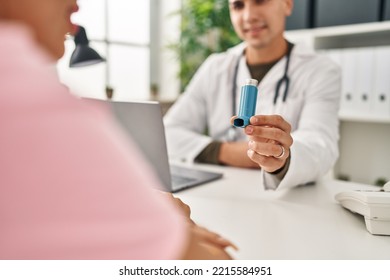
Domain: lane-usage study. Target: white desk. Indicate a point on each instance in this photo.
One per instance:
(301, 223)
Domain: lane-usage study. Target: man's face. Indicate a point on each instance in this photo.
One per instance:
(259, 22)
(48, 19)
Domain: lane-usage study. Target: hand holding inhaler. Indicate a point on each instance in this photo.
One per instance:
(248, 101)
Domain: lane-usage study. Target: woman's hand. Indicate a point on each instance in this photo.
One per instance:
(212, 238)
(204, 244)
(212, 242)
(183, 208)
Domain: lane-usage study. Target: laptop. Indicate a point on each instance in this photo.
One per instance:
(143, 121)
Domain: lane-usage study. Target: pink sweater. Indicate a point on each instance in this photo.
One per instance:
(71, 187)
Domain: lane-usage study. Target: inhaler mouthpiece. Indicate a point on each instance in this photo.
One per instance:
(248, 101)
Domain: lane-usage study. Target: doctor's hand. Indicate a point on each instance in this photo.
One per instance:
(235, 154)
(270, 141)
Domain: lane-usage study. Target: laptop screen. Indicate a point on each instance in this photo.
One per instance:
(143, 122)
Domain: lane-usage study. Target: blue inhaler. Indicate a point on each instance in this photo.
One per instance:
(248, 101)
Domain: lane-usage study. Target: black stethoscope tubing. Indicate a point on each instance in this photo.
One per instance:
(284, 79)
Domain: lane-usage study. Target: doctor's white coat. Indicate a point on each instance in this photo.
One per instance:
(311, 108)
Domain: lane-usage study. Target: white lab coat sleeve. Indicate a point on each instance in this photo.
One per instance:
(186, 121)
(315, 147)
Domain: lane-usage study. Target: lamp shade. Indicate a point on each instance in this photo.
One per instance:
(83, 55)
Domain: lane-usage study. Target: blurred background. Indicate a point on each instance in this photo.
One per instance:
(153, 47)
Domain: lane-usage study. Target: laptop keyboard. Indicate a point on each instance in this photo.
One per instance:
(182, 177)
(180, 180)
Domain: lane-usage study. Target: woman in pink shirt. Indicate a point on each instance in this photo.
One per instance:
(70, 186)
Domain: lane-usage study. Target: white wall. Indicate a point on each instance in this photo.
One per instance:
(169, 64)
(364, 151)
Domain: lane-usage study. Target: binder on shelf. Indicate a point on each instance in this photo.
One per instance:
(348, 89)
(364, 80)
(380, 104)
(335, 55)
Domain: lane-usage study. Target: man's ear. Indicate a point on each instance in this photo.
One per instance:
(289, 4)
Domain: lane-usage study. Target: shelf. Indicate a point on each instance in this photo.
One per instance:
(364, 135)
(344, 29)
(345, 36)
(365, 118)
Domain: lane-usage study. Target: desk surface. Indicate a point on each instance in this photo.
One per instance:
(302, 223)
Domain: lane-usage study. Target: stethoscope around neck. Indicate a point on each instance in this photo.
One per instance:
(232, 133)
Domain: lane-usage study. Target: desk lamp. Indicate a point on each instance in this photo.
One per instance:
(83, 55)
